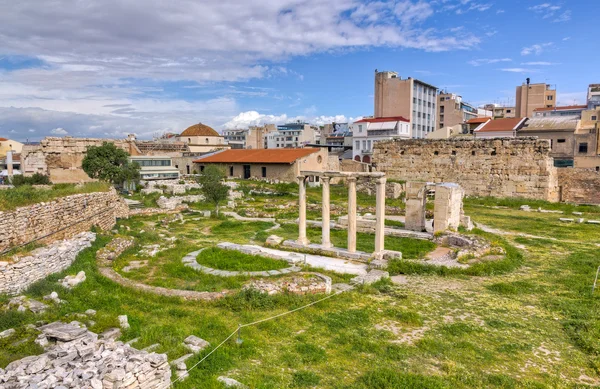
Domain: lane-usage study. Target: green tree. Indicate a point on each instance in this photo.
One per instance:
(110, 163)
(36, 179)
(213, 188)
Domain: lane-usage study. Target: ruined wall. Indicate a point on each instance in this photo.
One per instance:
(580, 186)
(61, 158)
(76, 214)
(504, 167)
(22, 271)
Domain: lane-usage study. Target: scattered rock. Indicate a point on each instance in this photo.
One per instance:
(72, 281)
(7, 333)
(90, 312)
(111, 333)
(370, 278)
(123, 322)
(274, 240)
(231, 383)
(23, 304)
(195, 344)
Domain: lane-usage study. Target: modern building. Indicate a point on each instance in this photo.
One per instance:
(156, 167)
(567, 111)
(472, 124)
(251, 138)
(499, 128)
(291, 135)
(202, 138)
(366, 132)
(9, 145)
(452, 110)
(281, 164)
(593, 96)
(500, 112)
(411, 99)
(532, 96)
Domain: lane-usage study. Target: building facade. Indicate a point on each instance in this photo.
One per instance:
(452, 110)
(156, 167)
(570, 111)
(411, 99)
(593, 96)
(501, 112)
(366, 132)
(291, 135)
(532, 96)
(9, 145)
(251, 138)
(201, 138)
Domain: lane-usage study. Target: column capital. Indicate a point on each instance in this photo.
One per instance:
(380, 180)
(351, 179)
(325, 178)
(301, 178)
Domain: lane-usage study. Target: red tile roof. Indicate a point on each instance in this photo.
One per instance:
(478, 120)
(564, 108)
(379, 120)
(3, 139)
(258, 156)
(506, 124)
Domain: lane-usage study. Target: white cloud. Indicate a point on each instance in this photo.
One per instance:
(536, 49)
(549, 10)
(254, 118)
(486, 61)
(564, 17)
(539, 63)
(518, 70)
(59, 131)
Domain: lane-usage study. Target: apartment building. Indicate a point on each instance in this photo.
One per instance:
(366, 132)
(408, 98)
(532, 96)
(251, 138)
(501, 112)
(593, 96)
(452, 110)
(570, 110)
(291, 135)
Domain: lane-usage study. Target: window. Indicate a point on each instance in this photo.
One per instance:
(442, 98)
(368, 145)
(594, 117)
(442, 109)
(264, 171)
(202, 168)
(561, 140)
(364, 145)
(360, 128)
(583, 147)
(189, 140)
(231, 171)
(550, 98)
(508, 110)
(206, 140)
(357, 144)
(414, 99)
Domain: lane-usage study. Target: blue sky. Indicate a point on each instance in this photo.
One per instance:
(106, 69)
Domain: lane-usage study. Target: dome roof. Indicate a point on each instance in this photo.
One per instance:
(199, 130)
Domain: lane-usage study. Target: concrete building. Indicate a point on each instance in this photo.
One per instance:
(593, 96)
(156, 167)
(411, 99)
(500, 112)
(532, 96)
(251, 138)
(570, 110)
(452, 110)
(202, 138)
(366, 132)
(282, 164)
(291, 135)
(9, 145)
(499, 128)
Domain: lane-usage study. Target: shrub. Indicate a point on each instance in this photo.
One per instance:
(36, 179)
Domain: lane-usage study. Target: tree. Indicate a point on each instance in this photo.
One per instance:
(110, 163)
(36, 179)
(213, 188)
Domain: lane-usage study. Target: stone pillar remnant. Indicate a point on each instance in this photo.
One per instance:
(325, 234)
(302, 239)
(352, 214)
(380, 215)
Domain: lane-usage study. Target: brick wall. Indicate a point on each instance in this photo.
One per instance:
(484, 167)
(581, 186)
(77, 212)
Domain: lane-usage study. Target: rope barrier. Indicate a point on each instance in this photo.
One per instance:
(252, 324)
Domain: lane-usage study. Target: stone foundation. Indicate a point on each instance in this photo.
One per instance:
(64, 217)
(19, 274)
(503, 167)
(581, 186)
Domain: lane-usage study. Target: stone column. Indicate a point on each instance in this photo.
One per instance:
(351, 214)
(325, 237)
(302, 210)
(380, 214)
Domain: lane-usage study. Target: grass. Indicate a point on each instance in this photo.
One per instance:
(529, 321)
(217, 258)
(394, 223)
(26, 195)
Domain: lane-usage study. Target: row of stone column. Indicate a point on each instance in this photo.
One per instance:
(325, 209)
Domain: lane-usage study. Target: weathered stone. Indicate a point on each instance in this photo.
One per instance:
(7, 333)
(274, 240)
(231, 383)
(123, 322)
(371, 277)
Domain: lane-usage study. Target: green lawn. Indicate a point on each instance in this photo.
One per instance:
(217, 258)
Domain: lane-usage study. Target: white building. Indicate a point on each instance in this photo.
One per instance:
(366, 132)
(156, 167)
(292, 135)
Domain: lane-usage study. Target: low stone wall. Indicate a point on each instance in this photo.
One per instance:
(62, 218)
(77, 358)
(21, 272)
(581, 186)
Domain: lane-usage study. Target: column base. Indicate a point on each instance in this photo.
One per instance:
(327, 245)
(304, 241)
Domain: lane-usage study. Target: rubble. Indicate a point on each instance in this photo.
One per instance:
(371, 277)
(114, 248)
(72, 281)
(274, 240)
(302, 283)
(7, 333)
(77, 358)
(123, 322)
(231, 383)
(24, 303)
(195, 344)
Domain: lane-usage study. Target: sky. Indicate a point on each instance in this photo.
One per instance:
(108, 68)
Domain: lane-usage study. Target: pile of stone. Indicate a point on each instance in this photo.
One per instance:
(23, 304)
(23, 271)
(72, 281)
(305, 283)
(77, 358)
(114, 248)
(468, 246)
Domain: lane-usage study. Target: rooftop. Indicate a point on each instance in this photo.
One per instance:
(380, 120)
(258, 156)
(563, 108)
(478, 120)
(507, 124)
(3, 139)
(564, 123)
(199, 130)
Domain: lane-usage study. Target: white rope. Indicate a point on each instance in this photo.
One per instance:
(255, 323)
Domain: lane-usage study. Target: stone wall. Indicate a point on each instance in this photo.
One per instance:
(503, 167)
(65, 217)
(22, 271)
(580, 186)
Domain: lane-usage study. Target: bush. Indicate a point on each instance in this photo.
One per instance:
(36, 179)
